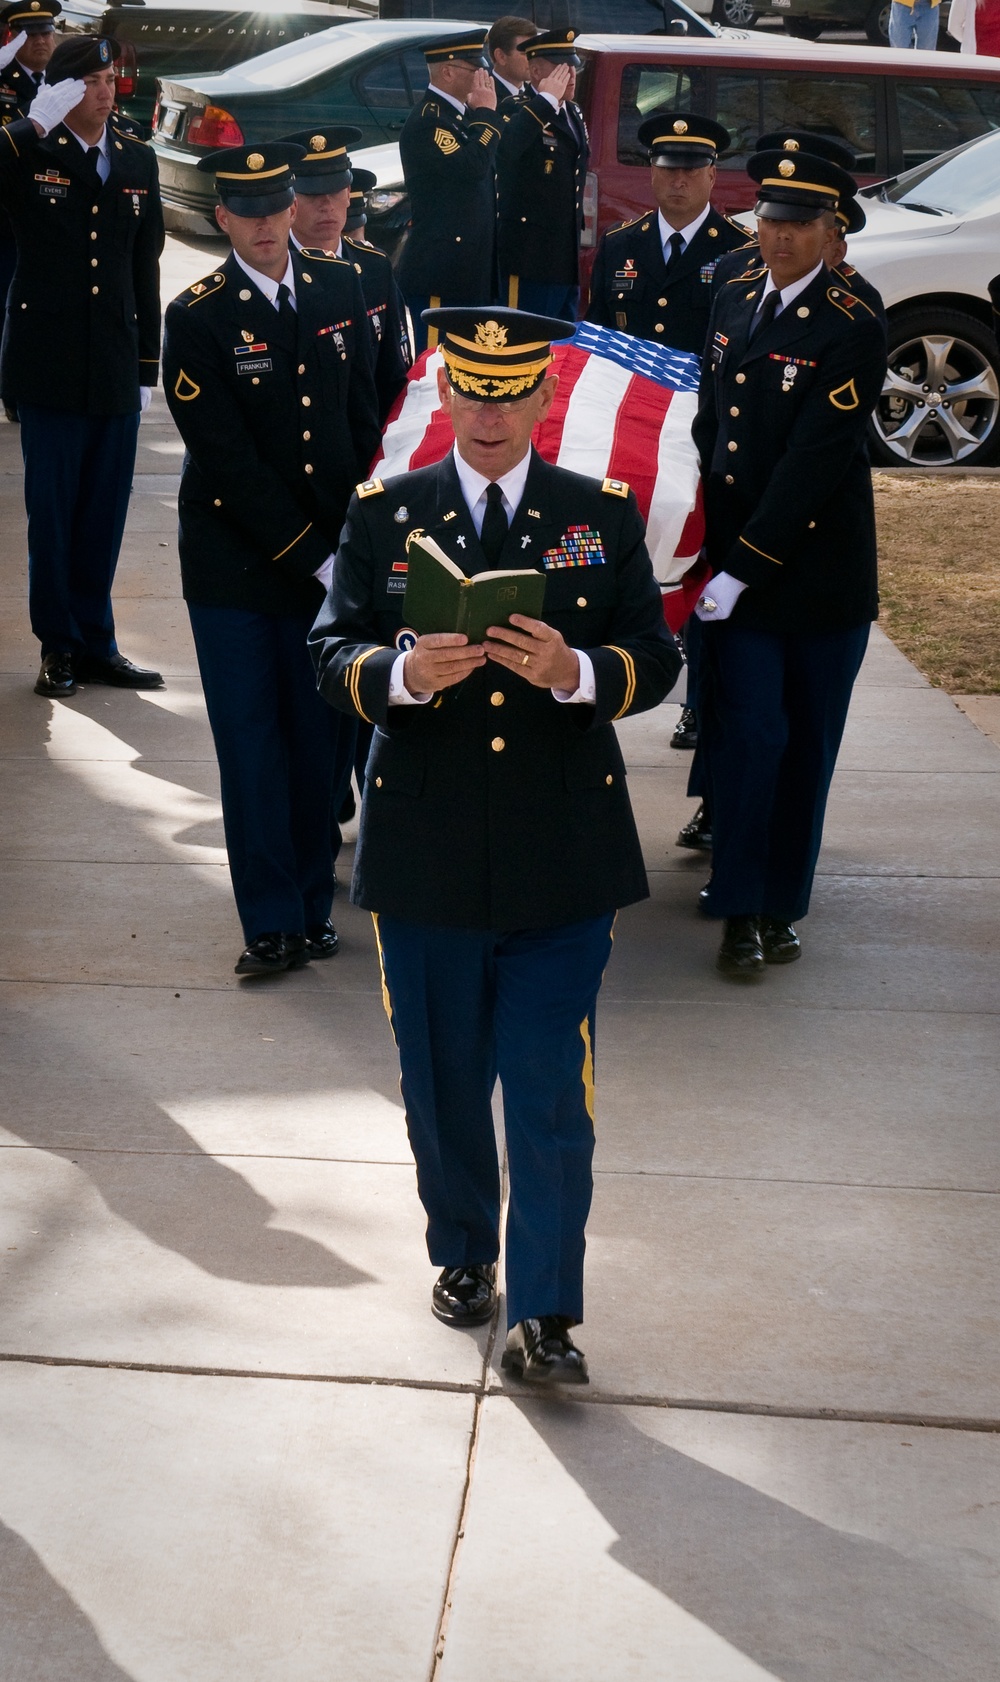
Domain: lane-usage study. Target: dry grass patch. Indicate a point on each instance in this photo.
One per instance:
(939, 577)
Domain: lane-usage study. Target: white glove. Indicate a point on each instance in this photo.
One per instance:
(719, 597)
(145, 398)
(51, 104)
(12, 48)
(325, 572)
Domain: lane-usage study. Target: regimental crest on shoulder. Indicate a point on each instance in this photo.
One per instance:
(490, 335)
(445, 141)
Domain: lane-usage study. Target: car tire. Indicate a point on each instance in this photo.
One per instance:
(734, 14)
(933, 351)
(804, 29)
(877, 23)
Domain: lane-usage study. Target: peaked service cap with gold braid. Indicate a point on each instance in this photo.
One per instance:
(795, 186)
(495, 355)
(326, 167)
(254, 180)
(557, 45)
(35, 17)
(683, 140)
(362, 182)
(849, 213)
(467, 48)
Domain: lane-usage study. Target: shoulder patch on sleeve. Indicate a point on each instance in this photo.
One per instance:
(848, 303)
(615, 487)
(206, 288)
(370, 487)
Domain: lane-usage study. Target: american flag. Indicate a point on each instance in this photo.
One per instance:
(623, 410)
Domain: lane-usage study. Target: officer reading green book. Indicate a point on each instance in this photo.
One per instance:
(439, 597)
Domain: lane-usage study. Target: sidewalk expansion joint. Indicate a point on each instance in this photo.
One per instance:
(769, 1410)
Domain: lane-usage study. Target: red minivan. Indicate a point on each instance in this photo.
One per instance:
(895, 109)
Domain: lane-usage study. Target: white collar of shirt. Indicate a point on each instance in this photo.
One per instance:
(513, 88)
(37, 76)
(300, 247)
(265, 284)
(788, 294)
(474, 487)
(102, 144)
(687, 234)
(439, 93)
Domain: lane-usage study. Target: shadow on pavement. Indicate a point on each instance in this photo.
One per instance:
(807, 1602)
(44, 1636)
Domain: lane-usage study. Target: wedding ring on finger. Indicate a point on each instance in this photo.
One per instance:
(526, 661)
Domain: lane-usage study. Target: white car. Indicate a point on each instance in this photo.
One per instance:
(932, 246)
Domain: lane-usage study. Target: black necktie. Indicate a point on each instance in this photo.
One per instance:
(765, 314)
(676, 244)
(93, 155)
(495, 527)
(286, 309)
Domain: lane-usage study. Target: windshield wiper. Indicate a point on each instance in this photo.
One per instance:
(926, 209)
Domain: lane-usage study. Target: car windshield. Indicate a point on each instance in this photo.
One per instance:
(958, 184)
(314, 55)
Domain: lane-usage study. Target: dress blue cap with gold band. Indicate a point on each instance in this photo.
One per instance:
(35, 17)
(682, 140)
(362, 182)
(84, 55)
(467, 48)
(495, 355)
(254, 180)
(558, 45)
(325, 166)
(797, 186)
(849, 213)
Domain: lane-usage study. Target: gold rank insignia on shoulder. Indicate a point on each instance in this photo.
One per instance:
(370, 487)
(615, 487)
(445, 141)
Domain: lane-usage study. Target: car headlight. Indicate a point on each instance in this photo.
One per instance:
(385, 200)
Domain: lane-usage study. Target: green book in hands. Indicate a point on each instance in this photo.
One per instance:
(439, 597)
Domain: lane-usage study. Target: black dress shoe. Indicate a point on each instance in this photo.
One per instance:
(56, 677)
(780, 942)
(322, 940)
(117, 671)
(741, 954)
(698, 833)
(703, 894)
(686, 730)
(269, 954)
(465, 1296)
(542, 1352)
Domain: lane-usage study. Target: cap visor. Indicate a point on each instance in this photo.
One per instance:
(258, 204)
(777, 210)
(308, 182)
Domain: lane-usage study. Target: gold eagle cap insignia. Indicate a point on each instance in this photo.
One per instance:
(791, 146)
(318, 143)
(680, 127)
(445, 141)
(786, 168)
(491, 336)
(255, 161)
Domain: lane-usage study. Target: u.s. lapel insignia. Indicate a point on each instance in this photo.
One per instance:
(449, 516)
(533, 514)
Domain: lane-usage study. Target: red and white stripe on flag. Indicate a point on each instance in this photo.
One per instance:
(605, 422)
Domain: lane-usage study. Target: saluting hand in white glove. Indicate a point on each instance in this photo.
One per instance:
(12, 48)
(51, 104)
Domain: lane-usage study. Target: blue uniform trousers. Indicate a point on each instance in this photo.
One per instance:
(77, 481)
(276, 742)
(772, 714)
(467, 1006)
(539, 298)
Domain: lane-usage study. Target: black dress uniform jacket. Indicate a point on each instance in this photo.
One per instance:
(633, 290)
(780, 431)
(386, 319)
(541, 173)
(449, 165)
(276, 430)
(746, 264)
(494, 806)
(83, 316)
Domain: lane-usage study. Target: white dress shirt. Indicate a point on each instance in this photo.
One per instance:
(439, 93)
(104, 161)
(788, 294)
(513, 88)
(474, 487)
(268, 286)
(687, 234)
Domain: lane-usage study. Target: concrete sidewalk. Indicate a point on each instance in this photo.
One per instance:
(237, 1448)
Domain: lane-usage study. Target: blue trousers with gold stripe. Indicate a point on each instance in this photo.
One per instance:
(469, 1006)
